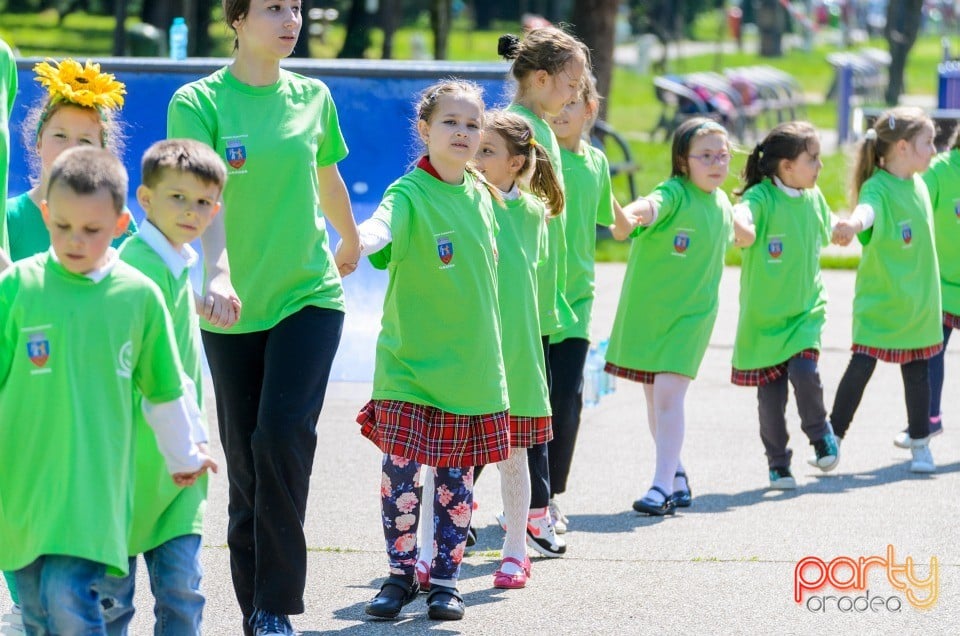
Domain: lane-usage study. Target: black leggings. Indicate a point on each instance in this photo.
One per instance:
(916, 388)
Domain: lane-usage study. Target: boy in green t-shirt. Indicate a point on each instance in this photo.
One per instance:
(81, 335)
(182, 181)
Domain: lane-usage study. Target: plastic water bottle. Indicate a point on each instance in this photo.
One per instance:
(608, 383)
(178, 39)
(592, 372)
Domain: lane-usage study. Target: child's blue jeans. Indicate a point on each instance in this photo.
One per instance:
(58, 595)
(175, 573)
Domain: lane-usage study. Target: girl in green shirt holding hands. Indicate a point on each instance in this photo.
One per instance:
(896, 307)
(782, 298)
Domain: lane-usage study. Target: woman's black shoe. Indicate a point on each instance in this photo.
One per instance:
(395, 592)
(653, 507)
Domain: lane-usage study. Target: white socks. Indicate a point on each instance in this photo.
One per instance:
(426, 516)
(515, 490)
(665, 417)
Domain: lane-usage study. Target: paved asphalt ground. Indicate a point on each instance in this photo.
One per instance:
(724, 566)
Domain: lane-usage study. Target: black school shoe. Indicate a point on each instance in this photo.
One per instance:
(656, 508)
(395, 592)
(445, 603)
(683, 498)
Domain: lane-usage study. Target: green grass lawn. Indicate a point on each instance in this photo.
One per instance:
(632, 105)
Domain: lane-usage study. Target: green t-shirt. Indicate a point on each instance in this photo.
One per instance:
(555, 312)
(73, 354)
(943, 184)
(273, 139)
(439, 342)
(162, 510)
(8, 92)
(518, 248)
(589, 202)
(896, 304)
(29, 236)
(669, 299)
(783, 304)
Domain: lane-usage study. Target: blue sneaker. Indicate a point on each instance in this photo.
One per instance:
(265, 623)
(782, 479)
(826, 453)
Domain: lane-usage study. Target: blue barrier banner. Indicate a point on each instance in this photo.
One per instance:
(375, 101)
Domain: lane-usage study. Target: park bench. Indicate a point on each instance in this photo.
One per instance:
(618, 153)
(870, 77)
(738, 98)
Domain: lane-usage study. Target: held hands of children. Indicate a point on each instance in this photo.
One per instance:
(347, 256)
(626, 219)
(188, 479)
(845, 230)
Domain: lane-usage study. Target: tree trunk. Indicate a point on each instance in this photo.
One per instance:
(357, 39)
(200, 44)
(160, 13)
(440, 23)
(771, 20)
(389, 22)
(903, 24)
(302, 49)
(120, 29)
(595, 24)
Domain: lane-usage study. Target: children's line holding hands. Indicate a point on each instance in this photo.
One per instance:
(101, 319)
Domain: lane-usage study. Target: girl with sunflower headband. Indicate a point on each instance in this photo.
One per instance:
(81, 107)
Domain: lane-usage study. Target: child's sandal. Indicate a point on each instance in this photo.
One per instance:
(516, 581)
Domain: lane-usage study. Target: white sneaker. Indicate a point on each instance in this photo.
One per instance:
(922, 457)
(12, 623)
(902, 440)
(560, 520)
(542, 537)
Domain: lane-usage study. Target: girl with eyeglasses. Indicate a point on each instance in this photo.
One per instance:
(669, 299)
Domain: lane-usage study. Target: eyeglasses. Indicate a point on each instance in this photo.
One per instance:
(709, 159)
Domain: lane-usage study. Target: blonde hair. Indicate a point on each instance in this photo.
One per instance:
(112, 137)
(537, 171)
(427, 105)
(893, 125)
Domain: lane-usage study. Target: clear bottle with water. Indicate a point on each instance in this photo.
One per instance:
(592, 378)
(607, 381)
(178, 39)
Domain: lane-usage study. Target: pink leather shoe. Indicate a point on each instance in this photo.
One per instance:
(423, 575)
(517, 581)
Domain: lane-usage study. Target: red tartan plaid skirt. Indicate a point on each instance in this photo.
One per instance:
(433, 436)
(951, 320)
(634, 375)
(766, 375)
(898, 356)
(527, 431)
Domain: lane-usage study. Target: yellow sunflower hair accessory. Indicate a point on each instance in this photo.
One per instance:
(82, 85)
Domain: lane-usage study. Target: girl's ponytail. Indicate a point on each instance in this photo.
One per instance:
(544, 182)
(751, 171)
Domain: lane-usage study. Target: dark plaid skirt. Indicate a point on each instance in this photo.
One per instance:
(635, 375)
(435, 437)
(526, 431)
(766, 375)
(951, 320)
(898, 356)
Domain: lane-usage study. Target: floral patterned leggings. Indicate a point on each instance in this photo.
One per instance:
(400, 508)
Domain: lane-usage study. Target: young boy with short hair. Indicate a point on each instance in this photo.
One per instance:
(182, 181)
(81, 333)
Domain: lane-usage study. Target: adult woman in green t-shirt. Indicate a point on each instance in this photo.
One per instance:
(896, 307)
(279, 134)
